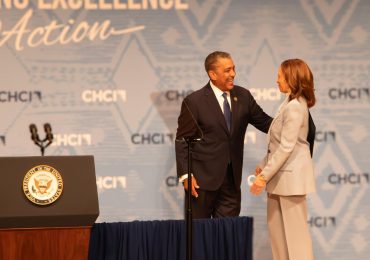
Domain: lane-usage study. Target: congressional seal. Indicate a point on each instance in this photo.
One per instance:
(43, 185)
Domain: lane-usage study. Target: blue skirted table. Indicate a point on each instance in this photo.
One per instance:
(213, 239)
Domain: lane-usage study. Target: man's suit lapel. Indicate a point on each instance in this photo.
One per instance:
(215, 106)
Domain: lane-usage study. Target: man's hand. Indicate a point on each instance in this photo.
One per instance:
(258, 185)
(194, 186)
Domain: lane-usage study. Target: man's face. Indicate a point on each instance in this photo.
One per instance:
(223, 74)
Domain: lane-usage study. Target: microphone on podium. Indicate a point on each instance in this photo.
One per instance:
(49, 134)
(34, 135)
(36, 139)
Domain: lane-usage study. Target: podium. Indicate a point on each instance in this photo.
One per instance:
(40, 229)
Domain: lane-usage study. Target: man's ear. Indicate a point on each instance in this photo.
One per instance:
(212, 75)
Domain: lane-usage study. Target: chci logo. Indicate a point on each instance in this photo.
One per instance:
(43, 185)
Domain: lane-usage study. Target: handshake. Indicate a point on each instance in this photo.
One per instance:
(259, 182)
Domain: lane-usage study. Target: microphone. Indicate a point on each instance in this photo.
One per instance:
(188, 130)
(34, 136)
(49, 135)
(36, 139)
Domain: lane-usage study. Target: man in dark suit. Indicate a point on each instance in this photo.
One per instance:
(217, 159)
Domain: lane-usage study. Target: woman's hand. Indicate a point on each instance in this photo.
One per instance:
(258, 185)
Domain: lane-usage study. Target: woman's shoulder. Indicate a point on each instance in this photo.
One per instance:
(298, 102)
(297, 105)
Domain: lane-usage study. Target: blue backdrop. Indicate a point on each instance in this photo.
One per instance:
(109, 77)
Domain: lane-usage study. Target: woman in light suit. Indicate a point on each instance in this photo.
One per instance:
(287, 169)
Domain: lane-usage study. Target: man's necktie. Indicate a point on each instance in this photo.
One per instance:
(227, 111)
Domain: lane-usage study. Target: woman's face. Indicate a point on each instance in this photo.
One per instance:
(283, 85)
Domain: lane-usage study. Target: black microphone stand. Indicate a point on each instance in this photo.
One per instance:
(190, 141)
(190, 133)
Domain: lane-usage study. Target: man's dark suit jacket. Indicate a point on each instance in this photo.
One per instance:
(219, 147)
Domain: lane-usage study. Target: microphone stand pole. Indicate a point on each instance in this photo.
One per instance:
(189, 214)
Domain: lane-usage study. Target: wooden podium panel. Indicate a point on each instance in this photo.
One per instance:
(50, 243)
